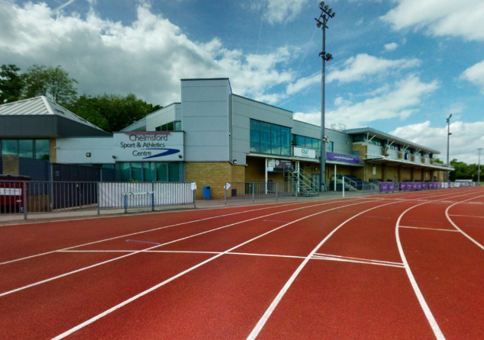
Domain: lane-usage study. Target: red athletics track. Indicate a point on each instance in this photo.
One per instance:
(321, 269)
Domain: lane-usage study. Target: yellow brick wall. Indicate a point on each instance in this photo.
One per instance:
(255, 170)
(53, 151)
(213, 174)
(10, 165)
(405, 174)
(361, 148)
(392, 172)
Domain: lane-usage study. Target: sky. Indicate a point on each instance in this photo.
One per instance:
(400, 66)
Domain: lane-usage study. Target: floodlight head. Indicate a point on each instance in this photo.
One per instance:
(332, 16)
(318, 24)
(329, 11)
(326, 7)
(321, 4)
(329, 56)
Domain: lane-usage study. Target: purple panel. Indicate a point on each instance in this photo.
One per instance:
(331, 156)
(387, 186)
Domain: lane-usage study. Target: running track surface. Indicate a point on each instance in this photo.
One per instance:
(400, 266)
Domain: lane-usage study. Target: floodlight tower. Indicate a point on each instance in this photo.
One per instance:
(326, 14)
(448, 140)
(479, 167)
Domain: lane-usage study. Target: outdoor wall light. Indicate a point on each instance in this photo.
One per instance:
(180, 156)
(114, 157)
(235, 161)
(88, 154)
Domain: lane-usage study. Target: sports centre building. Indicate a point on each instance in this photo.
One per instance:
(211, 137)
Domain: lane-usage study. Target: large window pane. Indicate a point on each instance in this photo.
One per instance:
(309, 143)
(265, 137)
(285, 141)
(301, 141)
(124, 172)
(26, 148)
(329, 146)
(161, 172)
(170, 126)
(42, 149)
(174, 172)
(177, 125)
(148, 172)
(254, 136)
(136, 170)
(276, 139)
(10, 147)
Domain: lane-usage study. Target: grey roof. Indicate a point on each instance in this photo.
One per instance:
(387, 136)
(41, 106)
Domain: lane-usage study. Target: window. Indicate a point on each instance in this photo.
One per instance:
(254, 136)
(10, 147)
(136, 172)
(124, 172)
(172, 126)
(269, 138)
(265, 137)
(149, 172)
(26, 148)
(161, 172)
(276, 139)
(177, 125)
(329, 146)
(174, 172)
(42, 147)
(285, 149)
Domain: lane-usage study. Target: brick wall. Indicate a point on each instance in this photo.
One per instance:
(213, 174)
(10, 165)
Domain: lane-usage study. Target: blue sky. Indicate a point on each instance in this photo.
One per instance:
(399, 66)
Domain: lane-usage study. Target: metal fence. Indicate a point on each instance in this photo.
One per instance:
(33, 197)
(259, 190)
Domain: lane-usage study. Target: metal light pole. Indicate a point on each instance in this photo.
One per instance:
(321, 22)
(448, 140)
(479, 167)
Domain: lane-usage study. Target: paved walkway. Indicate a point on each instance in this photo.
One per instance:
(200, 204)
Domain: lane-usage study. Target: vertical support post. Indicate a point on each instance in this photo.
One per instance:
(195, 198)
(98, 199)
(152, 201)
(277, 185)
(343, 186)
(266, 175)
(253, 192)
(125, 203)
(24, 192)
(225, 193)
(335, 177)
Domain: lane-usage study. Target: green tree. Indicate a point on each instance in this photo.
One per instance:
(52, 82)
(112, 112)
(11, 83)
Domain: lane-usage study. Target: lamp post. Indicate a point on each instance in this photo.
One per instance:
(479, 167)
(448, 140)
(321, 23)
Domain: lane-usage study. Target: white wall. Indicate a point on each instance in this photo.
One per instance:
(73, 150)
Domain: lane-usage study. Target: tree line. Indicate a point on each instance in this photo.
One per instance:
(110, 112)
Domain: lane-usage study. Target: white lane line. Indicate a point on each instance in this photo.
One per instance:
(184, 252)
(428, 313)
(436, 229)
(358, 259)
(147, 231)
(459, 229)
(466, 216)
(146, 249)
(262, 321)
(124, 303)
(255, 332)
(325, 258)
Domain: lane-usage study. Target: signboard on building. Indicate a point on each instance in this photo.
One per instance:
(337, 157)
(304, 153)
(278, 165)
(148, 146)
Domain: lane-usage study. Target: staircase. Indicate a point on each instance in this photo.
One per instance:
(302, 182)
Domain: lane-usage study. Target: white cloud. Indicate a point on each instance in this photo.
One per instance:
(464, 141)
(303, 83)
(475, 74)
(391, 46)
(364, 65)
(277, 11)
(398, 101)
(463, 18)
(147, 57)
